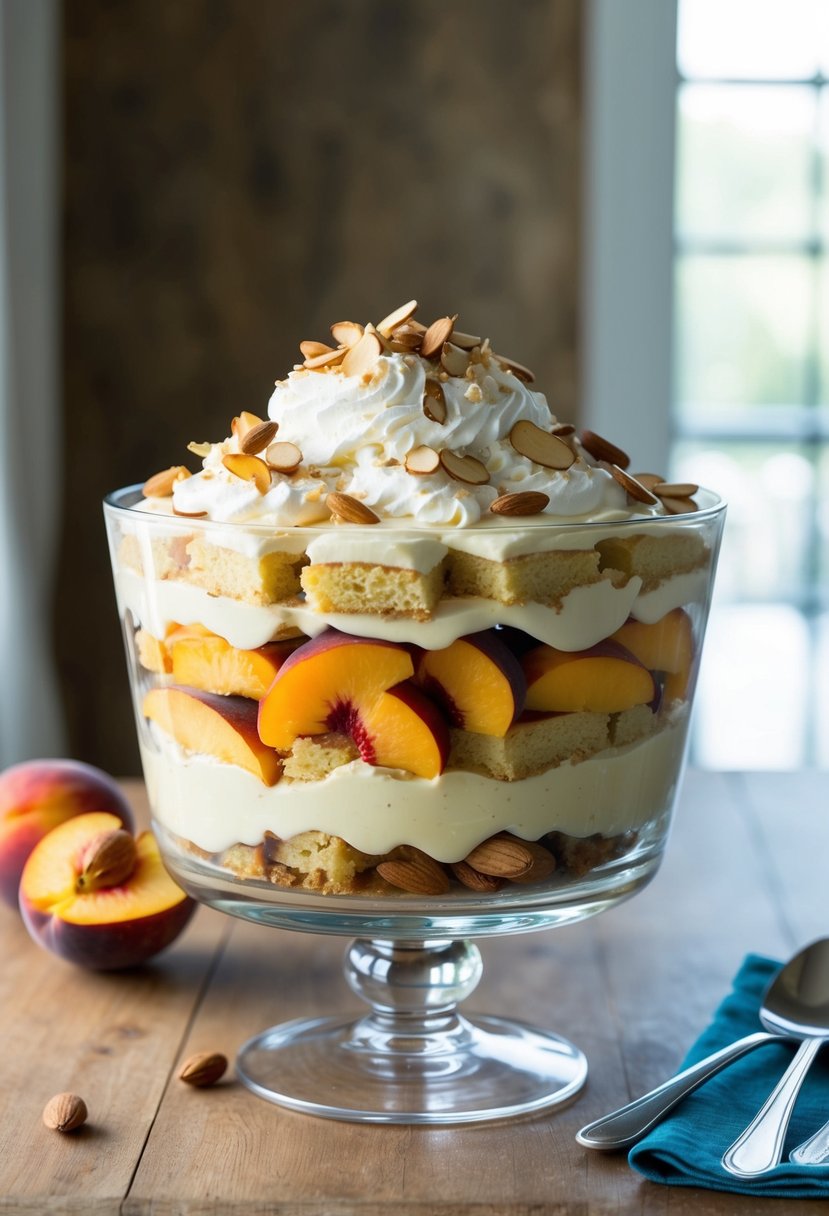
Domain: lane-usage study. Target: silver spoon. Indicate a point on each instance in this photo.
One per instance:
(796, 1005)
(814, 1151)
(623, 1127)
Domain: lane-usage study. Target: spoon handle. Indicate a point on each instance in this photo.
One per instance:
(814, 1151)
(760, 1146)
(629, 1123)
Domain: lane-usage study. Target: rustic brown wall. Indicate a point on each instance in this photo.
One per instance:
(240, 173)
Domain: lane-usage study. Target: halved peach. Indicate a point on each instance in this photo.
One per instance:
(607, 678)
(105, 927)
(477, 680)
(212, 664)
(224, 727)
(666, 645)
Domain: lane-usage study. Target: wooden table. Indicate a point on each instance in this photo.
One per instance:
(746, 870)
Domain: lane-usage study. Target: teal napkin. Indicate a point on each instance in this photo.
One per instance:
(685, 1149)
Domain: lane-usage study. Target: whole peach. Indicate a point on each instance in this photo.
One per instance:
(35, 797)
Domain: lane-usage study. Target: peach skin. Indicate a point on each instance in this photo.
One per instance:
(478, 682)
(604, 679)
(224, 727)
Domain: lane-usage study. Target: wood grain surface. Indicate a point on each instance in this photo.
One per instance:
(745, 871)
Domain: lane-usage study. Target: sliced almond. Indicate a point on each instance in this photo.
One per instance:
(347, 333)
(633, 487)
(350, 510)
(649, 480)
(200, 449)
(679, 506)
(540, 446)
(190, 514)
(439, 331)
(328, 359)
(434, 401)
(523, 502)
(160, 485)
(563, 429)
(283, 457)
(405, 341)
(310, 349)
(465, 341)
(464, 468)
(422, 460)
(362, 357)
(107, 861)
(474, 880)
(675, 489)
(503, 856)
(241, 425)
(419, 874)
(543, 863)
(400, 316)
(602, 449)
(454, 360)
(249, 468)
(258, 437)
(518, 369)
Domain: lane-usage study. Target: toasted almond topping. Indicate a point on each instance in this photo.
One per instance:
(199, 449)
(439, 331)
(283, 457)
(675, 489)
(362, 357)
(464, 468)
(545, 449)
(347, 333)
(679, 506)
(422, 460)
(454, 360)
(465, 341)
(543, 863)
(504, 856)
(160, 485)
(419, 874)
(412, 326)
(473, 879)
(633, 487)
(398, 317)
(64, 1113)
(563, 428)
(241, 425)
(249, 468)
(258, 437)
(350, 510)
(518, 369)
(648, 480)
(434, 401)
(190, 514)
(204, 1068)
(603, 449)
(524, 502)
(328, 359)
(406, 340)
(311, 349)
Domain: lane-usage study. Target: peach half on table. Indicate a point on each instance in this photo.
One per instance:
(95, 896)
(213, 725)
(35, 797)
(360, 687)
(607, 678)
(667, 645)
(477, 681)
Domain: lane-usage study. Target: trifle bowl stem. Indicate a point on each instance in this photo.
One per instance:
(413, 1058)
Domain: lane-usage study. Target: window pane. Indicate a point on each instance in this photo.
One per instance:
(775, 39)
(822, 684)
(823, 528)
(768, 487)
(742, 331)
(744, 162)
(750, 710)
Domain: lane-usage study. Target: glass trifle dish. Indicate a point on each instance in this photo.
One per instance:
(412, 661)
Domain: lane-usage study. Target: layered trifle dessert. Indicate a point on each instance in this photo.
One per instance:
(407, 633)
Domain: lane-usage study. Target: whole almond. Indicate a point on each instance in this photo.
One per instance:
(362, 357)
(563, 429)
(283, 457)
(160, 485)
(400, 316)
(204, 1068)
(633, 487)
(439, 331)
(675, 489)
(258, 437)
(474, 880)
(602, 449)
(419, 874)
(350, 510)
(347, 333)
(467, 469)
(107, 861)
(523, 502)
(422, 460)
(65, 1112)
(503, 856)
(434, 401)
(543, 863)
(540, 446)
(518, 369)
(249, 468)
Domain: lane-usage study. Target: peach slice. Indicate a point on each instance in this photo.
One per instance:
(666, 645)
(477, 680)
(212, 664)
(224, 727)
(607, 678)
(404, 729)
(100, 926)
